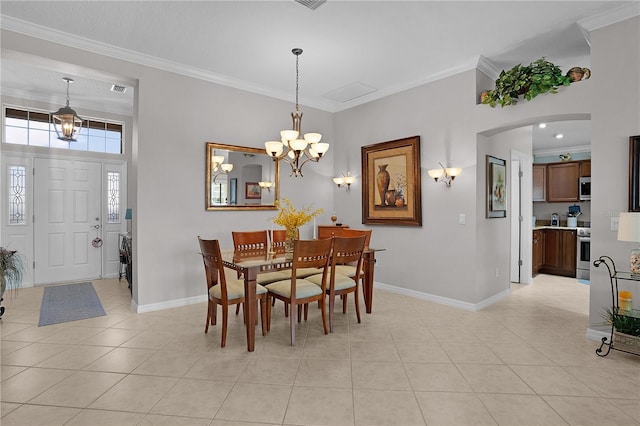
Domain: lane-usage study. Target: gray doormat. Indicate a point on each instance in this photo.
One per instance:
(70, 302)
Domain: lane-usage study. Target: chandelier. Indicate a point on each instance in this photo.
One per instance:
(65, 121)
(291, 148)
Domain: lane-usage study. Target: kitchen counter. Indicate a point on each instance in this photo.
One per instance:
(556, 227)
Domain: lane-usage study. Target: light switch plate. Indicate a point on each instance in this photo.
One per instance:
(614, 223)
(462, 219)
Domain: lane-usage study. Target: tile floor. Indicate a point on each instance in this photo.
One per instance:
(522, 361)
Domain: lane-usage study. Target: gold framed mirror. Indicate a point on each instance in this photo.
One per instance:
(240, 178)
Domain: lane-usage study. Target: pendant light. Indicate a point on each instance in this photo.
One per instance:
(291, 148)
(66, 121)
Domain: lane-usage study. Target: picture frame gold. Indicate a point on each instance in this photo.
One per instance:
(496, 187)
(391, 184)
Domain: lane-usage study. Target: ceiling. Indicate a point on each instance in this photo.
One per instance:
(354, 51)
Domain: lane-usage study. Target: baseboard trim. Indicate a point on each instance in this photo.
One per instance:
(176, 303)
(473, 307)
(593, 334)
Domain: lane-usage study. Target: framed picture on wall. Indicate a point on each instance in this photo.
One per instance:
(391, 191)
(233, 191)
(634, 173)
(252, 191)
(496, 187)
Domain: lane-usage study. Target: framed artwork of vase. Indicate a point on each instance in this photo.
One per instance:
(496, 187)
(634, 173)
(391, 190)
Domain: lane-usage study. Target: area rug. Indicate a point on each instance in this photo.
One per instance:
(69, 302)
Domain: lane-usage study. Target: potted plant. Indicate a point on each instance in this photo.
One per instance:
(626, 328)
(529, 81)
(11, 269)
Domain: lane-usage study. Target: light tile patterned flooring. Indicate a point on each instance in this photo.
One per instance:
(522, 361)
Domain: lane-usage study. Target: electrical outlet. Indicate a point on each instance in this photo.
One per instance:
(497, 272)
(462, 219)
(614, 223)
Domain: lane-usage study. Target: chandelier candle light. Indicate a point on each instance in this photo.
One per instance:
(291, 148)
(65, 121)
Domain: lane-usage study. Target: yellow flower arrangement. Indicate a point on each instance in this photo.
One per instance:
(291, 219)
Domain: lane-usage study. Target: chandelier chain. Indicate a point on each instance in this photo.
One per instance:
(297, 59)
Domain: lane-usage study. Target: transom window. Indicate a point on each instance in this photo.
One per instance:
(35, 128)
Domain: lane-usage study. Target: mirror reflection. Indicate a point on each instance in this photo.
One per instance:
(240, 178)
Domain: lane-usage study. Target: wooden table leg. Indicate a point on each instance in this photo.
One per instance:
(250, 307)
(368, 261)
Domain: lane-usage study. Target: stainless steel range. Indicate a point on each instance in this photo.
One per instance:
(583, 253)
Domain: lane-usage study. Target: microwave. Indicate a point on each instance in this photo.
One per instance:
(585, 188)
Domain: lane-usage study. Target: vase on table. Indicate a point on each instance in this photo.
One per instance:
(288, 243)
(382, 181)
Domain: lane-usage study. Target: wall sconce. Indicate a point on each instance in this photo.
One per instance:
(265, 185)
(445, 175)
(344, 180)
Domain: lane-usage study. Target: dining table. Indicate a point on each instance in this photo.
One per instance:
(253, 262)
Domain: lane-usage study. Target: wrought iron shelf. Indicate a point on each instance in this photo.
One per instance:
(618, 341)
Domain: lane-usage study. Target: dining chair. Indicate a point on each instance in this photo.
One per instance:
(254, 241)
(345, 251)
(226, 292)
(296, 292)
(278, 237)
(350, 269)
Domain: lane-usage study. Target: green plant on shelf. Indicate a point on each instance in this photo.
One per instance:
(528, 81)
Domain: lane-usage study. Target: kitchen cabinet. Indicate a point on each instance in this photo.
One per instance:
(585, 168)
(539, 182)
(562, 181)
(559, 252)
(538, 250)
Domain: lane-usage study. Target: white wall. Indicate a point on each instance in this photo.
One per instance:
(615, 58)
(442, 258)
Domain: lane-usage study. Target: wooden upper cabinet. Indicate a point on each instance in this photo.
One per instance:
(562, 181)
(539, 182)
(585, 168)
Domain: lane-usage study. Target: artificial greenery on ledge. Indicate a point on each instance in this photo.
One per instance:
(538, 77)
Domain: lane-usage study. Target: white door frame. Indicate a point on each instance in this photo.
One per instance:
(521, 226)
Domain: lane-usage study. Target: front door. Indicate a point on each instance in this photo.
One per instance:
(67, 220)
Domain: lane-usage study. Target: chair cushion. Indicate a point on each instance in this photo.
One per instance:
(341, 282)
(304, 288)
(347, 270)
(303, 272)
(271, 277)
(235, 289)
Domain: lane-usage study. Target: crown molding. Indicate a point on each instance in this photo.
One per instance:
(557, 151)
(488, 68)
(78, 104)
(610, 17)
